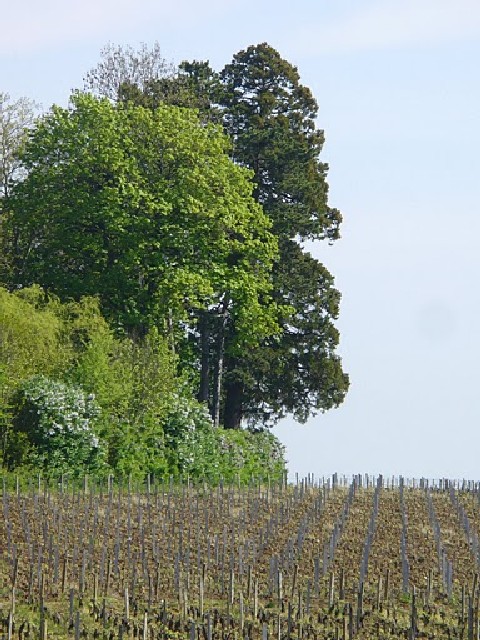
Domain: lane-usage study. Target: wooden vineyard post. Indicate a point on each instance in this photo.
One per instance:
(331, 590)
(387, 586)
(280, 588)
(201, 594)
(470, 625)
(107, 579)
(185, 602)
(126, 604)
(77, 626)
(95, 588)
(241, 613)
(10, 625)
(231, 587)
(264, 631)
(316, 575)
(104, 615)
(294, 582)
(413, 616)
(14, 585)
(70, 606)
(360, 606)
(209, 627)
(429, 586)
(145, 625)
(476, 621)
(42, 609)
(379, 593)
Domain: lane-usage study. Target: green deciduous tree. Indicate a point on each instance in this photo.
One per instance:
(16, 118)
(146, 210)
(54, 429)
(121, 65)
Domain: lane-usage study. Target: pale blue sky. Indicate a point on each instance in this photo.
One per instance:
(397, 84)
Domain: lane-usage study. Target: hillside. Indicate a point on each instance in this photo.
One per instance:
(370, 558)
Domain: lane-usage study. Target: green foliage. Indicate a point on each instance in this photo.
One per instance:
(300, 373)
(77, 399)
(39, 335)
(31, 342)
(71, 343)
(246, 454)
(194, 86)
(54, 428)
(270, 118)
(135, 449)
(144, 209)
(190, 437)
(198, 449)
(137, 387)
(130, 379)
(30, 336)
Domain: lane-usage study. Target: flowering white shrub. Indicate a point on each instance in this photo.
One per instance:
(58, 422)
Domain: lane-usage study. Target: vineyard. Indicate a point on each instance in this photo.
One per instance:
(337, 558)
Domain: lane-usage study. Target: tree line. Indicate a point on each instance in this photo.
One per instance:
(181, 199)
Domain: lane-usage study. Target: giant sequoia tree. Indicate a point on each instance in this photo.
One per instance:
(270, 118)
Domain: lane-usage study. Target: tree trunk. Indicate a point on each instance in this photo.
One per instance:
(205, 358)
(232, 416)
(218, 372)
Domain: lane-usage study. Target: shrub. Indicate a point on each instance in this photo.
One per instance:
(54, 428)
(245, 454)
(190, 438)
(199, 450)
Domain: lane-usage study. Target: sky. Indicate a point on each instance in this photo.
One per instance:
(399, 101)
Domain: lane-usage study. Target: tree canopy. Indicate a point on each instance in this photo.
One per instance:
(270, 117)
(182, 198)
(145, 209)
